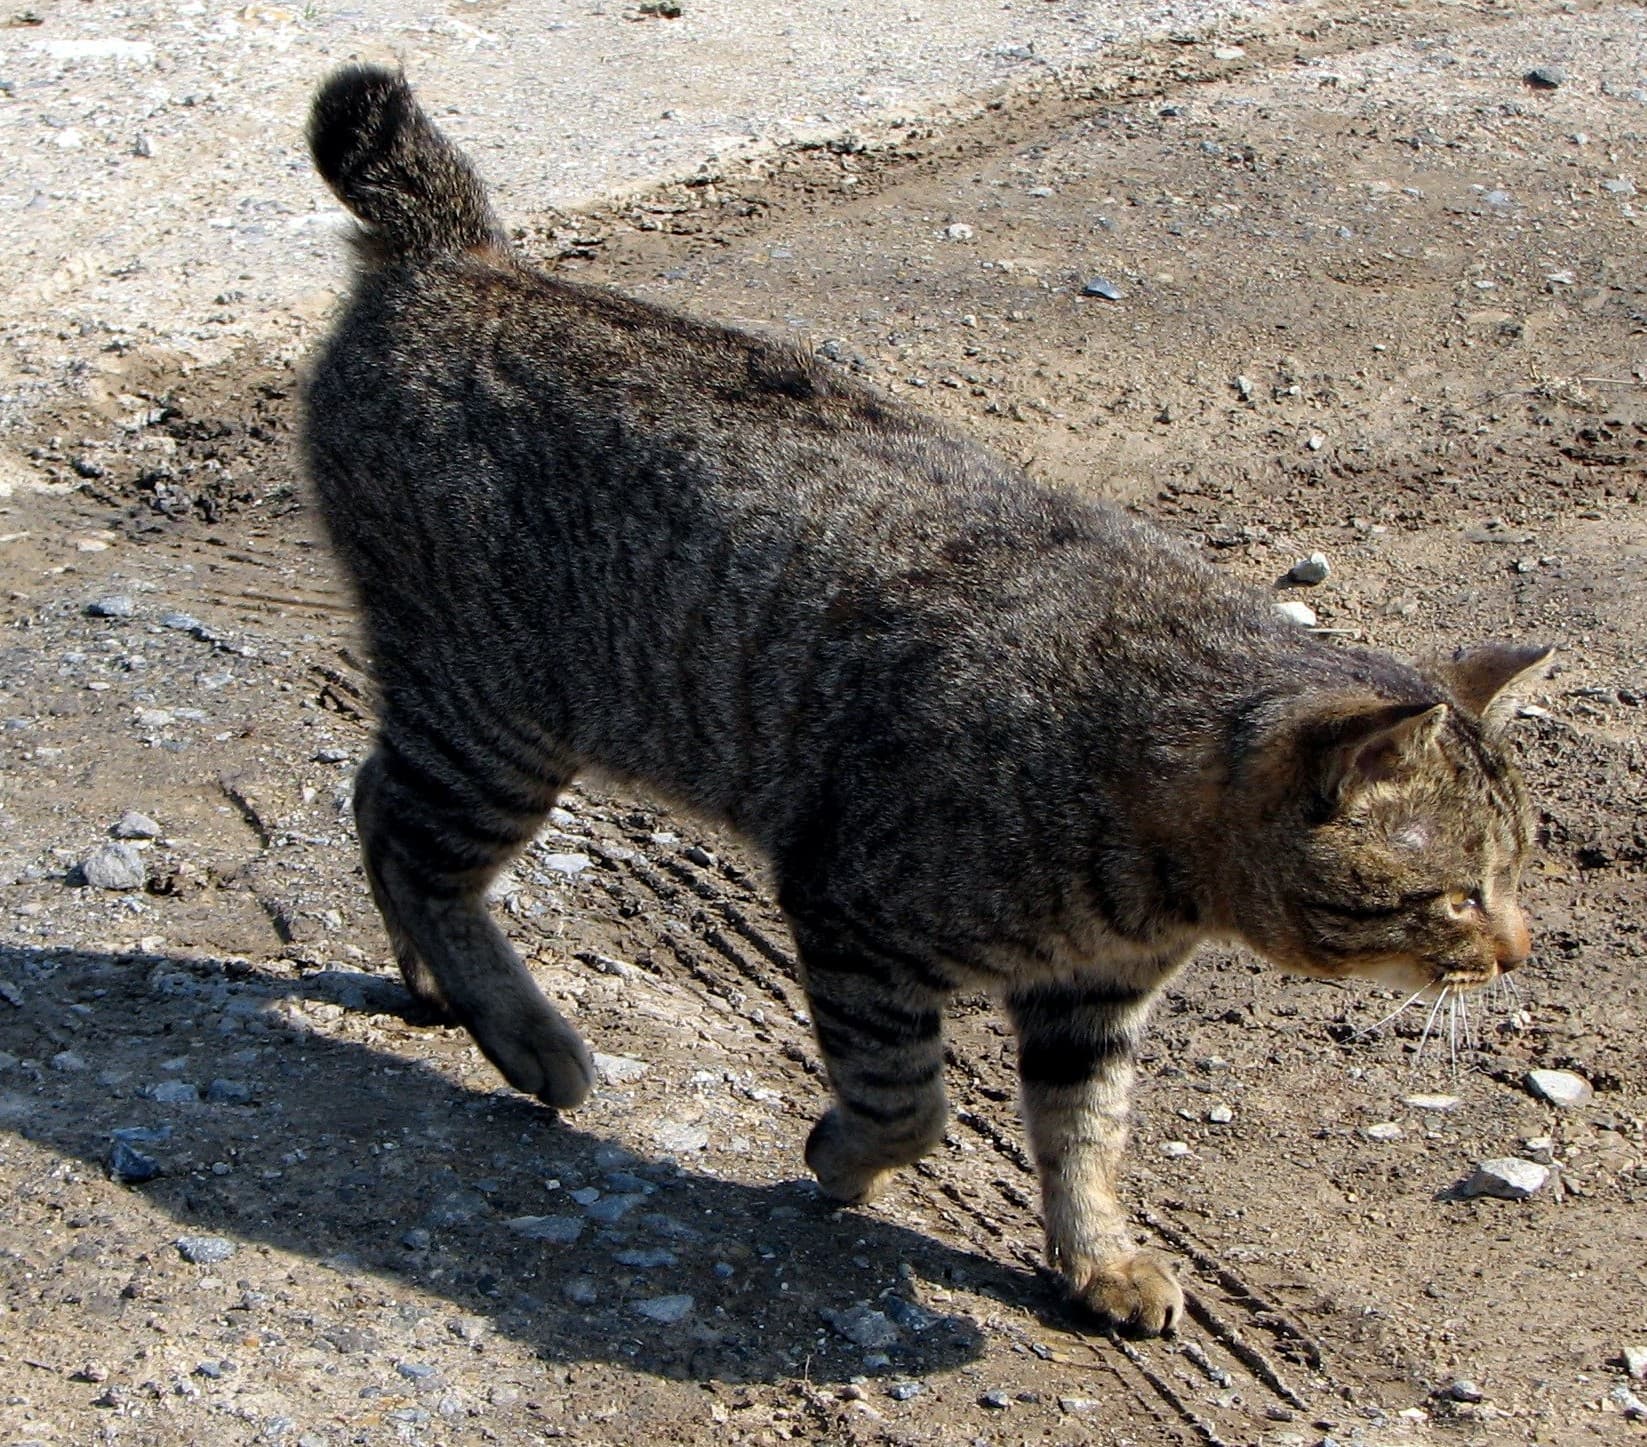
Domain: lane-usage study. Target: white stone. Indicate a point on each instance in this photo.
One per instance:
(561, 1230)
(1176, 1149)
(132, 825)
(618, 1069)
(1559, 1087)
(1300, 613)
(567, 863)
(1635, 1362)
(1384, 1131)
(1431, 1102)
(1508, 1178)
(1310, 571)
(960, 231)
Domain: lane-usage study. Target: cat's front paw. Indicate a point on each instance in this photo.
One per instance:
(1136, 1292)
(840, 1168)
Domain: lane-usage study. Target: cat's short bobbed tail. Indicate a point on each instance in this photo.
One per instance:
(386, 161)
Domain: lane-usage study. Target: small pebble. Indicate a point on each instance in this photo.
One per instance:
(205, 1250)
(116, 605)
(1079, 1406)
(415, 1371)
(581, 1291)
(229, 1092)
(1175, 1149)
(1464, 1390)
(1104, 287)
(863, 1326)
(1546, 77)
(67, 1060)
(1220, 1115)
(1559, 1087)
(1384, 1131)
(1310, 571)
(904, 1391)
(1635, 1362)
(114, 866)
(417, 1239)
(1300, 613)
(618, 1069)
(646, 1258)
(1507, 1177)
(132, 825)
(958, 231)
(996, 1399)
(1430, 1102)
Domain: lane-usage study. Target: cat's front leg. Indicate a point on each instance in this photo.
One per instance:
(1075, 1051)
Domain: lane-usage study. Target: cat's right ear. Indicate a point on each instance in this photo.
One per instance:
(1353, 749)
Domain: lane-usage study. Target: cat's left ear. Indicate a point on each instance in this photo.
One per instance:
(1488, 678)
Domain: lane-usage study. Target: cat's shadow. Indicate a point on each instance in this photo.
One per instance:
(378, 1167)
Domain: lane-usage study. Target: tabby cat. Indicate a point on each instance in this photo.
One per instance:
(987, 733)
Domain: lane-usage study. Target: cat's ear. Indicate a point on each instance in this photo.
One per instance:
(1355, 746)
(1487, 679)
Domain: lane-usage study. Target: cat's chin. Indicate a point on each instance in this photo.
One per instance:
(1396, 972)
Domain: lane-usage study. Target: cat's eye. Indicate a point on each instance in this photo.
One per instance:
(1464, 902)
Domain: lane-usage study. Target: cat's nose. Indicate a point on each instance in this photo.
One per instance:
(1512, 943)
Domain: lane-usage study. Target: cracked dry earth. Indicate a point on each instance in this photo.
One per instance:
(1376, 301)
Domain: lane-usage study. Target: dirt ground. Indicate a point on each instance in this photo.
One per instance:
(1378, 297)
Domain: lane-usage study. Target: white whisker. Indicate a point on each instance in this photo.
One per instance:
(1399, 1009)
(1429, 1024)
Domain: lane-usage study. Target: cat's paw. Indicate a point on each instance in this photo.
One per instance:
(538, 1053)
(842, 1174)
(1136, 1292)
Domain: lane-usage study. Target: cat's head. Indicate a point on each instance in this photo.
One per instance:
(1384, 840)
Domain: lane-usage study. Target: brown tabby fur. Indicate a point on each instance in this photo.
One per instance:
(986, 733)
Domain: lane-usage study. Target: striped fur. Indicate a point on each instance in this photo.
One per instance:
(989, 735)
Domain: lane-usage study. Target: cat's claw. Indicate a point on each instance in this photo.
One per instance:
(1137, 1293)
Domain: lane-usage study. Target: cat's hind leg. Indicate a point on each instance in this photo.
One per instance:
(880, 1029)
(1076, 1044)
(436, 824)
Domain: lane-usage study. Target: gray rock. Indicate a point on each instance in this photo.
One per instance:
(1464, 1390)
(908, 1314)
(1102, 286)
(332, 756)
(417, 1239)
(1220, 1115)
(67, 1060)
(1559, 1087)
(229, 1092)
(1506, 1177)
(581, 1291)
(646, 1258)
(996, 1399)
(205, 1250)
(1619, 186)
(1079, 1406)
(1300, 613)
(114, 866)
(131, 1166)
(863, 1326)
(609, 1210)
(904, 1391)
(1635, 1362)
(1630, 1404)
(1310, 571)
(1431, 1102)
(561, 1230)
(116, 605)
(665, 1309)
(1386, 1130)
(1546, 77)
(455, 1208)
(132, 825)
(174, 1092)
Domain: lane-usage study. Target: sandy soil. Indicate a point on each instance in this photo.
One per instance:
(1378, 298)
